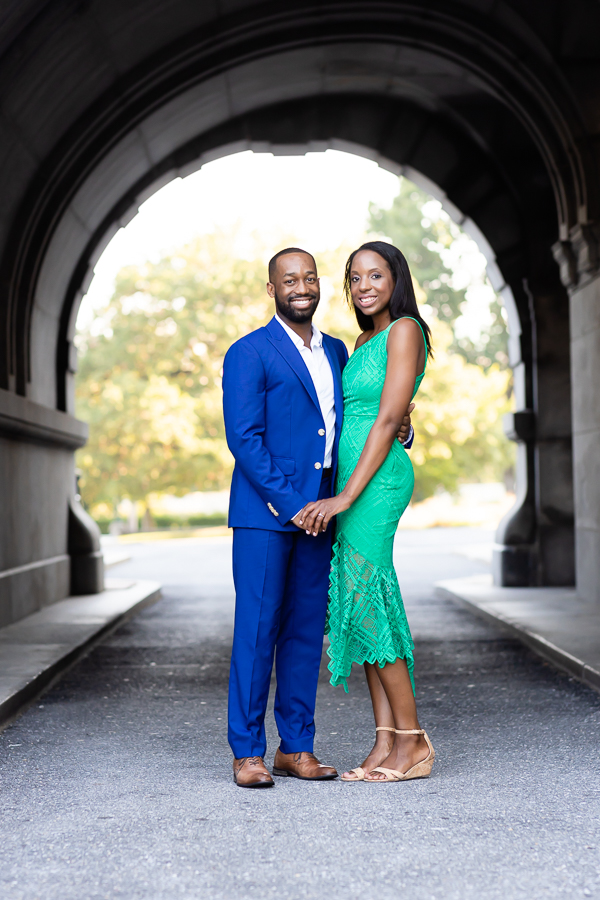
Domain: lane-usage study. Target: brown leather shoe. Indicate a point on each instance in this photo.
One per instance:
(251, 772)
(303, 765)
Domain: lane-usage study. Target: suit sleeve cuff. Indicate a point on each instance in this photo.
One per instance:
(298, 505)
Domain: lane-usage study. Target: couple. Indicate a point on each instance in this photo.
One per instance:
(316, 439)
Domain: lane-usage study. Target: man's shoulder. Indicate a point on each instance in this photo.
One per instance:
(336, 344)
(255, 340)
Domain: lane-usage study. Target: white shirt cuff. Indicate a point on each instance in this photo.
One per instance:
(411, 434)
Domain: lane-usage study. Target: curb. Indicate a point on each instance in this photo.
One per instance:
(470, 594)
(37, 650)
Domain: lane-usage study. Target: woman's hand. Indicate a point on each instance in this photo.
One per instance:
(315, 517)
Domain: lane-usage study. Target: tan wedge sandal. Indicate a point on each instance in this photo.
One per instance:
(419, 770)
(359, 771)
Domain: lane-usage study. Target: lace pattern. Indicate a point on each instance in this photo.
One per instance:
(366, 621)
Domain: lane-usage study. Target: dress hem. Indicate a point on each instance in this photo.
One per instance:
(340, 664)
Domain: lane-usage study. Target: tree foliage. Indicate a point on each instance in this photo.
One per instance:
(150, 372)
(425, 240)
(459, 421)
(151, 361)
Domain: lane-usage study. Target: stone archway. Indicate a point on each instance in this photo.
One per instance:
(471, 101)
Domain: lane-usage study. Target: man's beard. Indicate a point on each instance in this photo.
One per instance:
(288, 311)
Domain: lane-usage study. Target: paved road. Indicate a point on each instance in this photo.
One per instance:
(117, 783)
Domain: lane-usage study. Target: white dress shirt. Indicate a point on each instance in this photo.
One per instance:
(319, 369)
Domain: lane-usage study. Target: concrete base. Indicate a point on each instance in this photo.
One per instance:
(35, 651)
(551, 621)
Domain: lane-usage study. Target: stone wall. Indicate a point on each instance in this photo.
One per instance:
(585, 371)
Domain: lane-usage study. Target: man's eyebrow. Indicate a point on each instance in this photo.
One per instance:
(294, 274)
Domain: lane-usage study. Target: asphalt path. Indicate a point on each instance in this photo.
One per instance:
(117, 783)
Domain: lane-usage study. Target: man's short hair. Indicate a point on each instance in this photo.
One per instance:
(273, 260)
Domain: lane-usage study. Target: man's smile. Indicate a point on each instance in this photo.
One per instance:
(302, 302)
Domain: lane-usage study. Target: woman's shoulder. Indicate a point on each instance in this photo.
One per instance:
(363, 337)
(404, 329)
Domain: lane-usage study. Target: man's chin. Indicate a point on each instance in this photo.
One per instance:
(299, 316)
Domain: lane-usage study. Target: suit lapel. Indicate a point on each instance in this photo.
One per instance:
(284, 345)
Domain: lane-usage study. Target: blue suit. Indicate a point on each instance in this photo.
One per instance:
(276, 433)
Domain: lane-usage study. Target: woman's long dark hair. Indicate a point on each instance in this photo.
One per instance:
(403, 301)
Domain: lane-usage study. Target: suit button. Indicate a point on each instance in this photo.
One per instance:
(321, 431)
(317, 465)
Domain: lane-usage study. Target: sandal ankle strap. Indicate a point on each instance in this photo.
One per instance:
(384, 728)
(409, 731)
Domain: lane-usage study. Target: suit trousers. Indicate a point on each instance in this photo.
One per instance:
(281, 582)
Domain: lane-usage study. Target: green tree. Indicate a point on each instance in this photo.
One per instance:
(459, 421)
(150, 372)
(151, 361)
(423, 240)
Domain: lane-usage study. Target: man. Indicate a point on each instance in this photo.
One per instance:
(283, 405)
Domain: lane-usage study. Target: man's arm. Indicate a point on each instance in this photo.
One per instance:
(244, 387)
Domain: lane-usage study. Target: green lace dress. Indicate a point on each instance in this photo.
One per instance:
(366, 621)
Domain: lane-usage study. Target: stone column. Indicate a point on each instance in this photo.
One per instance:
(585, 374)
(578, 260)
(534, 542)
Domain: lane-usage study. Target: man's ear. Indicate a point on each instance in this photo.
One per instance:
(271, 290)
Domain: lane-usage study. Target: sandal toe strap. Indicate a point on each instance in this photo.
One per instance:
(359, 772)
(396, 776)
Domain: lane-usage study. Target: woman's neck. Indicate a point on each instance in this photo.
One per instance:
(381, 320)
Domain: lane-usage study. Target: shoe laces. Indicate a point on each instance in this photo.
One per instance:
(255, 760)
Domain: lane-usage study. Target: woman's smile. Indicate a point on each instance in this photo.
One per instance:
(368, 300)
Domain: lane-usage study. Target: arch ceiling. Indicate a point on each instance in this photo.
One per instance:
(484, 113)
(102, 102)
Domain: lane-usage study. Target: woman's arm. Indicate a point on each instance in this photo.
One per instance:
(405, 352)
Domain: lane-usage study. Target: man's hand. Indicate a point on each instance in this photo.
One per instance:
(405, 427)
(315, 517)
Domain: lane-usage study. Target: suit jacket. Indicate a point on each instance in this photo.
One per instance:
(274, 427)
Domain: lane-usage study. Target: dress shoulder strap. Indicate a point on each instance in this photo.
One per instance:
(422, 332)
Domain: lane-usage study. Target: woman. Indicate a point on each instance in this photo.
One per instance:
(366, 621)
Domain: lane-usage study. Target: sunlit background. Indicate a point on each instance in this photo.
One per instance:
(186, 277)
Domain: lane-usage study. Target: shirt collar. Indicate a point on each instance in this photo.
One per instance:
(315, 341)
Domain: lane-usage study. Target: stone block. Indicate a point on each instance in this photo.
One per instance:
(514, 567)
(41, 111)
(557, 555)
(586, 462)
(185, 117)
(275, 79)
(555, 481)
(585, 310)
(587, 558)
(134, 30)
(114, 176)
(585, 374)
(25, 590)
